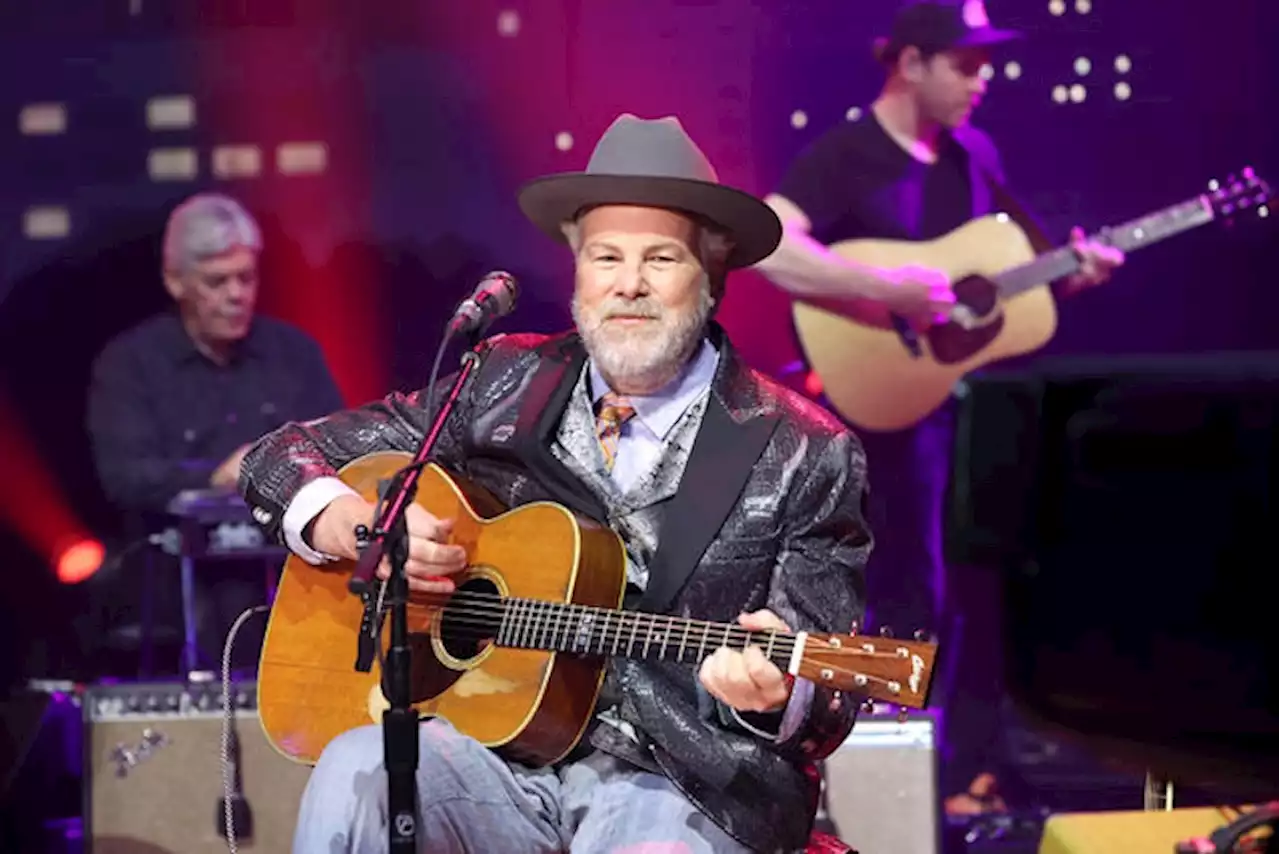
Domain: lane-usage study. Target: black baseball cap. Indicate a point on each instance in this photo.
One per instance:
(937, 25)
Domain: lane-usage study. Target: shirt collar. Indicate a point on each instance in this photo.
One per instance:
(185, 349)
(661, 410)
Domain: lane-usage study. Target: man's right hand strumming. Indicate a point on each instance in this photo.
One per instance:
(921, 295)
(431, 558)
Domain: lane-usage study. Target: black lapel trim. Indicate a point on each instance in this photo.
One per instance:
(723, 457)
(540, 412)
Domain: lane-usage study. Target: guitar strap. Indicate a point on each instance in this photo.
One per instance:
(1003, 200)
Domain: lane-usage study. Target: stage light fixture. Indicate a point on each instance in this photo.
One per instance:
(509, 23)
(1083, 7)
(564, 141)
(1059, 94)
(1123, 91)
(1082, 65)
(1123, 64)
(1077, 93)
(1012, 70)
(853, 114)
(1057, 7)
(799, 119)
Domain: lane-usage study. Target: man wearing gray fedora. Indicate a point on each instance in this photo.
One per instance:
(736, 500)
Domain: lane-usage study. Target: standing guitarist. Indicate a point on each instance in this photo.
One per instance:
(912, 169)
(736, 499)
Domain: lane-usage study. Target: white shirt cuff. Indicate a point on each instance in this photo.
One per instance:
(305, 506)
(792, 716)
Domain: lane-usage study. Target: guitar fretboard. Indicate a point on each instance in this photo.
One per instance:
(533, 624)
(1126, 237)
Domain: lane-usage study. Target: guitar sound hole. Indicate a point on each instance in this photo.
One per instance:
(952, 342)
(471, 619)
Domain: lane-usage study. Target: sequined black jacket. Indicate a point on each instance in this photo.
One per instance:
(769, 514)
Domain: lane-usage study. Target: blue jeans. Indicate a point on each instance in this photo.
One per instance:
(471, 801)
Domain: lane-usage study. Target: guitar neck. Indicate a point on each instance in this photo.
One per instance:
(552, 626)
(1127, 237)
(897, 671)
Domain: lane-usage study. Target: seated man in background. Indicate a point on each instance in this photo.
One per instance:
(175, 402)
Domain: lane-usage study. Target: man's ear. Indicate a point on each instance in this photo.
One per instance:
(174, 285)
(912, 64)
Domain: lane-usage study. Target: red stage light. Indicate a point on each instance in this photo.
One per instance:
(79, 561)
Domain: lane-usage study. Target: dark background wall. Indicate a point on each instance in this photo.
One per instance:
(431, 114)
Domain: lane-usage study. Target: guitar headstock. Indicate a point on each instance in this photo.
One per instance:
(1239, 193)
(884, 668)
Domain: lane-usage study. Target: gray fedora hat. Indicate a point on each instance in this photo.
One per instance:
(653, 162)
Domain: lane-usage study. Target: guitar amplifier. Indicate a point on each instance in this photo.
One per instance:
(880, 787)
(153, 772)
(1122, 832)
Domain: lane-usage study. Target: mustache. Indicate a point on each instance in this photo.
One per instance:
(630, 308)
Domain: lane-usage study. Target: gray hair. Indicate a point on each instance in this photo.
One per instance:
(714, 247)
(205, 225)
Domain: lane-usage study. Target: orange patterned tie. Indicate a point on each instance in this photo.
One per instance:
(613, 412)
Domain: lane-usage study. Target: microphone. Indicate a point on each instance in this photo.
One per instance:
(494, 297)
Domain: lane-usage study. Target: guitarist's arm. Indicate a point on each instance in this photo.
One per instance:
(806, 269)
(813, 273)
(818, 585)
(290, 475)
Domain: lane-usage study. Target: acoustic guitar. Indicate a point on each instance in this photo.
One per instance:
(515, 656)
(885, 377)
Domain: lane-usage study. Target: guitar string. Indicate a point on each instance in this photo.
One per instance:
(481, 631)
(542, 616)
(538, 619)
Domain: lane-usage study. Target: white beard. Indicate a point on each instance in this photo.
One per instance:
(648, 356)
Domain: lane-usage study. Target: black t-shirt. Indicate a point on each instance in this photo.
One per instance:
(856, 182)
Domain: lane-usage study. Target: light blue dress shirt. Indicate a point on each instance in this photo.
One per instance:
(640, 445)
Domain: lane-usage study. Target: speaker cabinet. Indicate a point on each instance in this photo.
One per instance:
(880, 786)
(153, 772)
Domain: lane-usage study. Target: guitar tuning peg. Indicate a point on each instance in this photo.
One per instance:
(853, 627)
(868, 706)
(902, 714)
(886, 631)
(924, 636)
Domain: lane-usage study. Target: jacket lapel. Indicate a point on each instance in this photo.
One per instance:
(723, 457)
(540, 411)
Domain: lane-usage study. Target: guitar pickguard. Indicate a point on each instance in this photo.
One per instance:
(976, 321)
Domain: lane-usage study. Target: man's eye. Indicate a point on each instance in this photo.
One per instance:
(663, 259)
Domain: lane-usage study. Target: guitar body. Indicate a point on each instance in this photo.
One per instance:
(867, 372)
(531, 705)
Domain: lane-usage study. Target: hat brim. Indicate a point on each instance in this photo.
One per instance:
(986, 37)
(754, 228)
(977, 37)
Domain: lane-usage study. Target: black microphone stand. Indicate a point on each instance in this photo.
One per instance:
(390, 538)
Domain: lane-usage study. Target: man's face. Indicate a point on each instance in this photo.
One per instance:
(641, 296)
(949, 85)
(217, 294)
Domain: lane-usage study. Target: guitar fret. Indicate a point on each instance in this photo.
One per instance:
(550, 627)
(526, 635)
(631, 644)
(773, 636)
(617, 634)
(683, 640)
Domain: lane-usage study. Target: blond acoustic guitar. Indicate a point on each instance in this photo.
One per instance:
(884, 377)
(515, 656)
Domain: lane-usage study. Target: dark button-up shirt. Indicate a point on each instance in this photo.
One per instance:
(162, 415)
